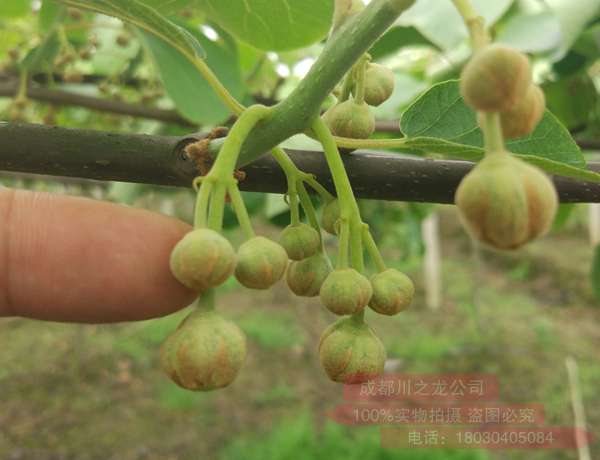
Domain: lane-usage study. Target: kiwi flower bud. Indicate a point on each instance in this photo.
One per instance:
(202, 259)
(393, 292)
(349, 119)
(346, 292)
(305, 277)
(300, 241)
(379, 84)
(496, 79)
(260, 263)
(330, 216)
(505, 203)
(350, 352)
(205, 353)
(523, 118)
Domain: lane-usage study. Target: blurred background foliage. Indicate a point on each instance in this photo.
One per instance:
(95, 392)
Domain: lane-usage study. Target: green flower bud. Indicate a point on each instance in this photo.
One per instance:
(346, 292)
(300, 241)
(202, 259)
(330, 216)
(205, 353)
(393, 292)
(305, 277)
(349, 119)
(379, 84)
(260, 263)
(496, 79)
(350, 352)
(505, 203)
(523, 118)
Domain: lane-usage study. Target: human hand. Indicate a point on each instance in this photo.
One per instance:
(79, 260)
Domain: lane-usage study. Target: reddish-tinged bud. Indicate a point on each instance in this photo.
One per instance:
(350, 352)
(260, 263)
(349, 119)
(393, 292)
(202, 259)
(330, 216)
(300, 241)
(505, 203)
(523, 118)
(305, 277)
(379, 84)
(345, 292)
(496, 79)
(205, 353)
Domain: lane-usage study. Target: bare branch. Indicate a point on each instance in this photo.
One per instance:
(59, 97)
(161, 160)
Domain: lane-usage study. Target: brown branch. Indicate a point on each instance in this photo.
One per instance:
(60, 97)
(161, 160)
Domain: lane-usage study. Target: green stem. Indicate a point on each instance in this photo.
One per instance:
(314, 184)
(361, 67)
(344, 142)
(348, 205)
(226, 160)
(224, 165)
(347, 88)
(295, 179)
(294, 114)
(356, 249)
(294, 205)
(291, 173)
(474, 22)
(359, 317)
(349, 212)
(308, 207)
(217, 207)
(240, 210)
(206, 301)
(201, 211)
(494, 140)
(231, 102)
(372, 249)
(344, 244)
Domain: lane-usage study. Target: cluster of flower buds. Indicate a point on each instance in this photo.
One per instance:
(505, 202)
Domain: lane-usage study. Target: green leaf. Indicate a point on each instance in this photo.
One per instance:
(572, 99)
(448, 149)
(588, 44)
(146, 18)
(14, 8)
(191, 93)
(272, 25)
(595, 273)
(441, 113)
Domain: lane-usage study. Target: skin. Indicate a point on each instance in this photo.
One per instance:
(79, 260)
